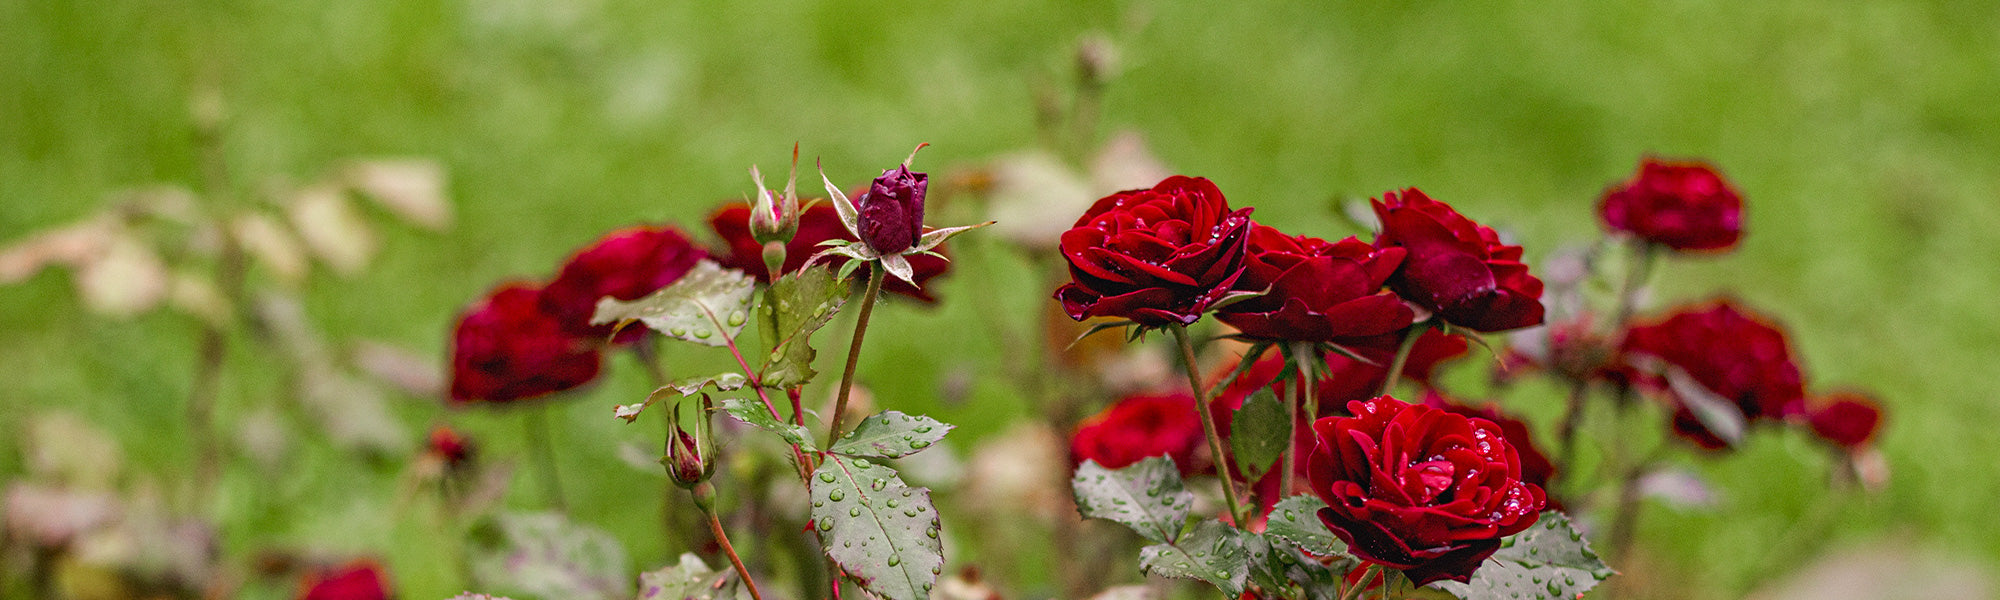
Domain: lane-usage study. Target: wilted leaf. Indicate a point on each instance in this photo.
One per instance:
(691, 580)
(1211, 552)
(1259, 434)
(547, 556)
(805, 301)
(196, 295)
(52, 517)
(1678, 488)
(64, 448)
(891, 435)
(1035, 198)
(70, 245)
(411, 189)
(332, 229)
(1549, 560)
(128, 278)
(264, 238)
(757, 416)
(881, 531)
(1716, 413)
(1147, 496)
(1126, 163)
(409, 371)
(707, 301)
(685, 387)
(1296, 520)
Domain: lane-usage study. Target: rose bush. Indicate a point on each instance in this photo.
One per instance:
(1158, 256)
(1315, 291)
(1685, 206)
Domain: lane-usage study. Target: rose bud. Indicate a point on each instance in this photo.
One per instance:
(1848, 420)
(1419, 489)
(1138, 427)
(505, 348)
(1456, 268)
(626, 264)
(892, 210)
(818, 223)
(690, 458)
(775, 217)
(1316, 291)
(1681, 205)
(358, 580)
(1727, 352)
(1157, 257)
(450, 448)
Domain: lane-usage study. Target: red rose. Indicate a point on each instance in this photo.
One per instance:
(1318, 291)
(1139, 427)
(1848, 420)
(816, 224)
(505, 348)
(1419, 489)
(891, 212)
(1457, 268)
(358, 580)
(450, 447)
(1684, 206)
(1731, 353)
(626, 264)
(1159, 256)
(1535, 466)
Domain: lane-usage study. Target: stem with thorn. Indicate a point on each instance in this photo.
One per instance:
(536, 422)
(704, 497)
(1222, 465)
(875, 276)
(1402, 356)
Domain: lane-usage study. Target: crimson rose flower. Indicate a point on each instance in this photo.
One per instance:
(626, 264)
(1731, 353)
(1535, 466)
(358, 580)
(1848, 420)
(1318, 291)
(505, 348)
(1457, 268)
(1684, 206)
(819, 223)
(1420, 489)
(1157, 257)
(1139, 427)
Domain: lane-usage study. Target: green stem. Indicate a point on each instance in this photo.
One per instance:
(875, 277)
(1643, 255)
(1579, 391)
(1355, 591)
(704, 497)
(1402, 356)
(1307, 358)
(536, 422)
(1222, 463)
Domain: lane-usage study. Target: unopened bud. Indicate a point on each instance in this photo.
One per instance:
(892, 212)
(690, 458)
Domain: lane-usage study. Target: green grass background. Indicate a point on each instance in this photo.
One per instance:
(1863, 135)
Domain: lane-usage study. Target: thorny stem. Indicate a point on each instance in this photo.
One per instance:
(536, 423)
(1355, 591)
(1307, 358)
(875, 276)
(750, 377)
(1222, 465)
(1402, 356)
(1579, 391)
(704, 497)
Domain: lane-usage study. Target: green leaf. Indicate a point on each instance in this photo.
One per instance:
(757, 416)
(705, 306)
(891, 434)
(691, 580)
(722, 382)
(1548, 560)
(803, 303)
(1296, 520)
(1259, 434)
(547, 556)
(881, 531)
(1276, 564)
(1147, 496)
(1212, 552)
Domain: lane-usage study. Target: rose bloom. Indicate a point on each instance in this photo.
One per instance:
(626, 264)
(1728, 351)
(1681, 205)
(1422, 490)
(1535, 466)
(1846, 419)
(1317, 291)
(1143, 426)
(817, 224)
(505, 348)
(358, 580)
(1456, 268)
(1157, 257)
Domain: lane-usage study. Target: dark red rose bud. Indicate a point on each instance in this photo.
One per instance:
(1848, 419)
(1159, 256)
(1729, 352)
(1317, 291)
(892, 211)
(1680, 205)
(358, 580)
(1535, 466)
(1420, 489)
(817, 224)
(1140, 427)
(450, 447)
(626, 264)
(505, 348)
(1457, 268)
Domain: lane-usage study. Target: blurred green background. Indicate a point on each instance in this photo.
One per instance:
(1863, 135)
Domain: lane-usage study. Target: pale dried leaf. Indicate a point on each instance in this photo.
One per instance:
(412, 189)
(1126, 163)
(1022, 471)
(1035, 198)
(408, 371)
(128, 278)
(65, 448)
(195, 295)
(267, 240)
(69, 245)
(331, 227)
(1128, 592)
(53, 517)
